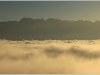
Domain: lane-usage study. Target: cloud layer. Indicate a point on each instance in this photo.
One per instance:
(50, 57)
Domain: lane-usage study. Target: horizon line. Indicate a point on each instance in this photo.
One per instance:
(51, 18)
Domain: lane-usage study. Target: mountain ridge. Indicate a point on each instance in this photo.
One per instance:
(40, 29)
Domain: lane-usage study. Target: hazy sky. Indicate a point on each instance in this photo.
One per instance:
(65, 10)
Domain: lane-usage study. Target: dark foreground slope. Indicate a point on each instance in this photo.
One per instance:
(40, 29)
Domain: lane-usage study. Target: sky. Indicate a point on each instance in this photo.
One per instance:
(64, 10)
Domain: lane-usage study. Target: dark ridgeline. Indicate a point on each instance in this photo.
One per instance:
(40, 29)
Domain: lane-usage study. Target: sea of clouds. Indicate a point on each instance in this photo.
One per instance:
(50, 57)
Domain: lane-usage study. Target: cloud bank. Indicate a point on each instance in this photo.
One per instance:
(50, 57)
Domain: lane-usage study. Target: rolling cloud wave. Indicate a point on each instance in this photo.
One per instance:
(50, 56)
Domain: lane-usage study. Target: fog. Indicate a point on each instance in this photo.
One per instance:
(50, 57)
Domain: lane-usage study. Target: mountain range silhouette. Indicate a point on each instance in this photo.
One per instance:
(40, 29)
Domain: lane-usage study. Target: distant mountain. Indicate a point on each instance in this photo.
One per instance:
(40, 29)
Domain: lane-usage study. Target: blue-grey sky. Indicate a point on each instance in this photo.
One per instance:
(65, 10)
